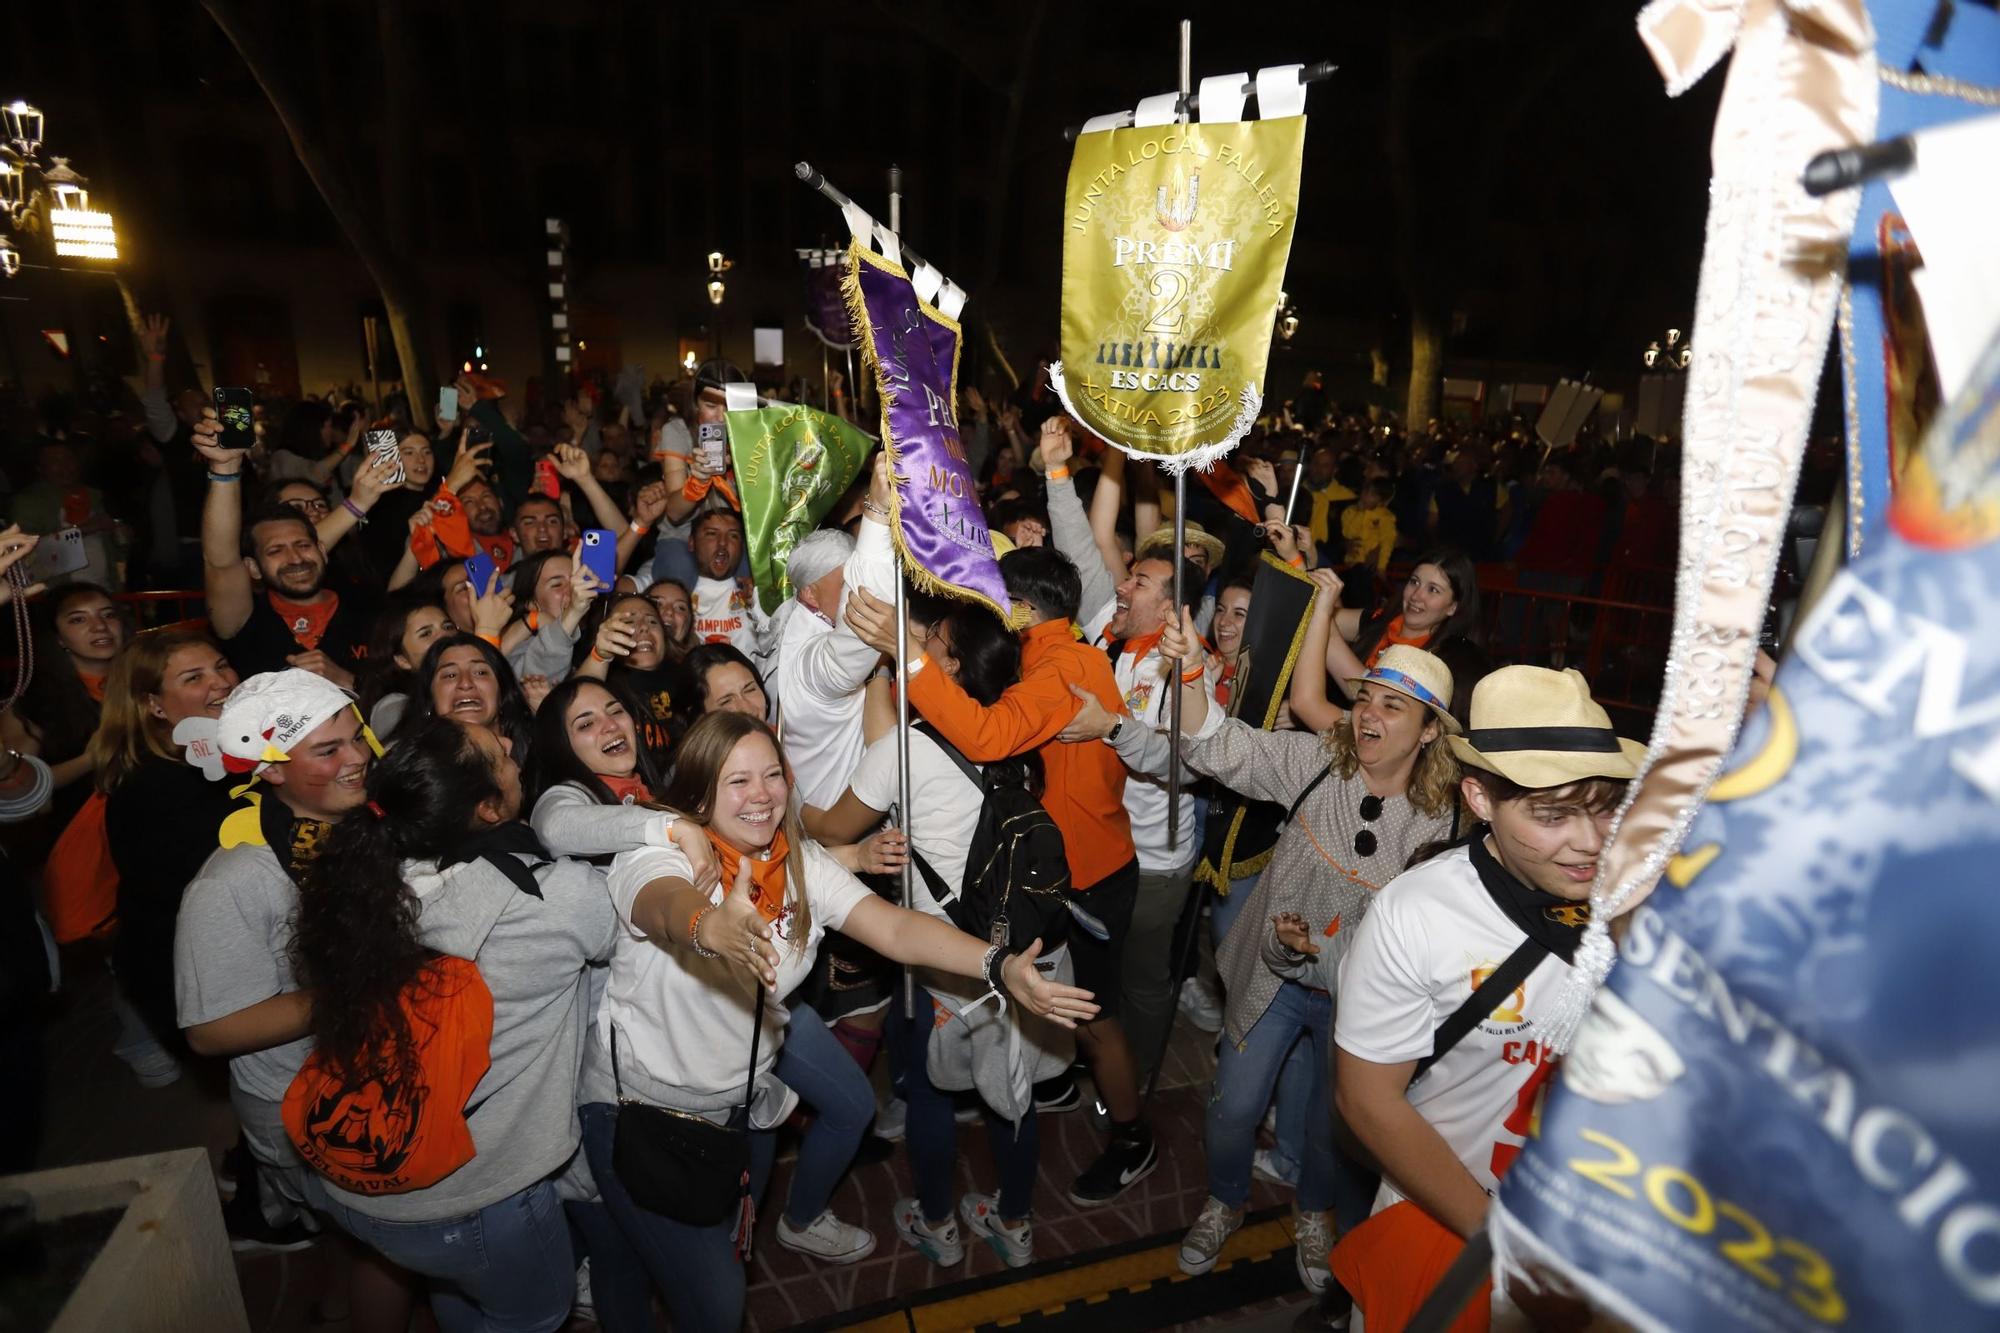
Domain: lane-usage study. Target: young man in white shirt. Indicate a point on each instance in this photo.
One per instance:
(1544, 774)
(725, 607)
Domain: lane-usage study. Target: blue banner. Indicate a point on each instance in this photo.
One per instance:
(1784, 1111)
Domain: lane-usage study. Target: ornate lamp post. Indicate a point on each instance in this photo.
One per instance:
(31, 187)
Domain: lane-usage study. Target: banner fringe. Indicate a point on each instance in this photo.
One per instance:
(1249, 403)
(857, 310)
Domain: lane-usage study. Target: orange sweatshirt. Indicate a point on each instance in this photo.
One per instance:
(1085, 794)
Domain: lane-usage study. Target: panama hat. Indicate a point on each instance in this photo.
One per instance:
(1540, 728)
(1196, 535)
(1420, 675)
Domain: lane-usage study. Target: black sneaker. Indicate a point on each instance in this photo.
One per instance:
(250, 1232)
(1058, 1094)
(1123, 1164)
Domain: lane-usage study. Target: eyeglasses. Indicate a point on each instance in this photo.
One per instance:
(1364, 841)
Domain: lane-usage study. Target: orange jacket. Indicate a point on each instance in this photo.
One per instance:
(1086, 783)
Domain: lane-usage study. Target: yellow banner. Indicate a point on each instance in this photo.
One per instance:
(1175, 239)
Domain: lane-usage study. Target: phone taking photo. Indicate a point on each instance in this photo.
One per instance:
(479, 572)
(235, 408)
(384, 444)
(599, 554)
(713, 440)
(448, 403)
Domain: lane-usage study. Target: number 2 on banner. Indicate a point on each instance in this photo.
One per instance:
(1811, 1285)
(1170, 284)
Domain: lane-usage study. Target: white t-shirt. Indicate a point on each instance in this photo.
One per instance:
(726, 611)
(1144, 683)
(946, 808)
(1432, 935)
(683, 1021)
(822, 669)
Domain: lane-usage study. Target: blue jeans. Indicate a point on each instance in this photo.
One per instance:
(695, 1269)
(1296, 1078)
(506, 1267)
(815, 1065)
(1243, 1084)
(932, 1133)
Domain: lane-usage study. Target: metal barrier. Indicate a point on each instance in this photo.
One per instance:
(171, 607)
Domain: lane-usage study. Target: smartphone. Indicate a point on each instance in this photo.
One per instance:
(234, 407)
(479, 572)
(448, 403)
(713, 439)
(383, 444)
(478, 432)
(547, 480)
(600, 555)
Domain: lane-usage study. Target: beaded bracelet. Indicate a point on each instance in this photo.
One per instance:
(871, 507)
(694, 932)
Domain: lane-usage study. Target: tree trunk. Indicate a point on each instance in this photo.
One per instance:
(402, 293)
(1426, 366)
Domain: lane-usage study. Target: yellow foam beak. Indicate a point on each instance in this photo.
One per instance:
(273, 755)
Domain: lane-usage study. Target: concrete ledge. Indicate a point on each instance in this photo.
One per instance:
(167, 1266)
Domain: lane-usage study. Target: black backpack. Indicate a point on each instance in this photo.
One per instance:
(1016, 872)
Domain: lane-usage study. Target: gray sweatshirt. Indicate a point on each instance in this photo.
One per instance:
(533, 954)
(572, 822)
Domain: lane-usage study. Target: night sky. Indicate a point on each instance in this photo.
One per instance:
(1553, 198)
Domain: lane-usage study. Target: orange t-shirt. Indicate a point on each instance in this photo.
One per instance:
(1085, 792)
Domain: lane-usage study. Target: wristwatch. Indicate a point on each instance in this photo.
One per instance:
(1111, 736)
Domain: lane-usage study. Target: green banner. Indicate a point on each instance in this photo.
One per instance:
(793, 463)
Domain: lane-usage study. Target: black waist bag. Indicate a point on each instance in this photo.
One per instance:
(685, 1166)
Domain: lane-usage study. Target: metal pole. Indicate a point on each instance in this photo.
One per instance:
(1180, 546)
(813, 180)
(1298, 470)
(902, 664)
(1192, 101)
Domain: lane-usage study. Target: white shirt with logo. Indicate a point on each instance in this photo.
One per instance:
(726, 611)
(1433, 934)
(1144, 684)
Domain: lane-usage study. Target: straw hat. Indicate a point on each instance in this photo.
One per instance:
(1419, 675)
(1196, 535)
(1540, 728)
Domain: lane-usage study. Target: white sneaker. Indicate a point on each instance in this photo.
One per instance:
(1264, 1163)
(1202, 1245)
(891, 1120)
(1015, 1245)
(939, 1244)
(827, 1239)
(1201, 1005)
(1312, 1242)
(154, 1067)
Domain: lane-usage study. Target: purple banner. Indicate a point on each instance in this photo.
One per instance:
(826, 303)
(913, 350)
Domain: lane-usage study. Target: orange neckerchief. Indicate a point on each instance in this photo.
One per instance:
(1394, 634)
(694, 492)
(92, 686)
(306, 620)
(767, 878)
(631, 787)
(1223, 686)
(1141, 644)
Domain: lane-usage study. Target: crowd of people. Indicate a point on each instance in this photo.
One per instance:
(532, 907)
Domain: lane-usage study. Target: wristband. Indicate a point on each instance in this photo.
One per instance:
(869, 506)
(640, 529)
(596, 656)
(1297, 562)
(1190, 677)
(156, 356)
(694, 932)
(989, 968)
(360, 514)
(493, 639)
(1060, 472)
(231, 477)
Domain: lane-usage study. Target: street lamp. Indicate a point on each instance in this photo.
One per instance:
(76, 230)
(1288, 318)
(1671, 352)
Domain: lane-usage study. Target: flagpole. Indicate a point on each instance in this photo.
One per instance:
(1180, 539)
(902, 667)
(1298, 470)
